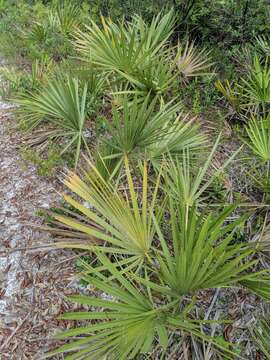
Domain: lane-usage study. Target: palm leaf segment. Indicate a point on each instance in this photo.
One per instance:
(258, 131)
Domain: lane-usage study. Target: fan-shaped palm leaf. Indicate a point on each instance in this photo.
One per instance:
(132, 51)
(258, 131)
(188, 183)
(127, 321)
(123, 224)
(59, 103)
(255, 88)
(204, 255)
(191, 61)
(140, 130)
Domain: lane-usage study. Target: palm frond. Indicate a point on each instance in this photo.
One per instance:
(255, 88)
(258, 131)
(203, 253)
(260, 286)
(191, 61)
(65, 16)
(60, 103)
(132, 51)
(262, 45)
(188, 183)
(122, 224)
(229, 93)
(127, 322)
(141, 130)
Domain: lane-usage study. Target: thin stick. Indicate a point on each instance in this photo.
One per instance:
(14, 332)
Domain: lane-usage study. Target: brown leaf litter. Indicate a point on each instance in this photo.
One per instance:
(33, 280)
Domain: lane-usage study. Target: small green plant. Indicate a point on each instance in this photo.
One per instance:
(45, 165)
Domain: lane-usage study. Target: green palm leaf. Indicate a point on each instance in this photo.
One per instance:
(186, 181)
(62, 106)
(255, 88)
(133, 51)
(203, 254)
(127, 324)
(258, 132)
(140, 130)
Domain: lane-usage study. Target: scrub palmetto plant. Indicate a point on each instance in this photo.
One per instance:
(123, 47)
(132, 51)
(255, 88)
(128, 320)
(61, 105)
(155, 261)
(251, 95)
(203, 255)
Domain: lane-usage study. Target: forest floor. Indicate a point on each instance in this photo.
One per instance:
(34, 280)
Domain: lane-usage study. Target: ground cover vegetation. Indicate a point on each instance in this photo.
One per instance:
(161, 114)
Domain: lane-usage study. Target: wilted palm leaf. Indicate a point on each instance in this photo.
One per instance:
(121, 223)
(191, 61)
(59, 103)
(258, 132)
